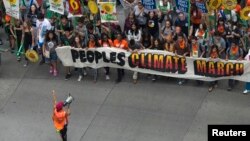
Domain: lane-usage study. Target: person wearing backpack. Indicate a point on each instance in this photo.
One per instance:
(233, 53)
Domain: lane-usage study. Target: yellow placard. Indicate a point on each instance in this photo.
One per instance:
(229, 4)
(32, 55)
(93, 7)
(214, 4)
(244, 13)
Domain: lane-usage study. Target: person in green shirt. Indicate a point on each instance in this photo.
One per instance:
(164, 6)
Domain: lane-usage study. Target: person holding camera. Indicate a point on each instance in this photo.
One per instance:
(60, 117)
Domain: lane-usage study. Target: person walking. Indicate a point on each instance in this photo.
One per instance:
(60, 117)
(43, 25)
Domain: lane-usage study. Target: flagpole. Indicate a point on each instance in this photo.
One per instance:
(189, 16)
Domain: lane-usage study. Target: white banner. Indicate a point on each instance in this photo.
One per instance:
(12, 8)
(57, 6)
(156, 62)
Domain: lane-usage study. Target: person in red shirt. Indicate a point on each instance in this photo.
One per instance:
(121, 43)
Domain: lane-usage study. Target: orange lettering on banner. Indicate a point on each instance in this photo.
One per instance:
(230, 69)
(158, 61)
(201, 66)
(220, 68)
(239, 69)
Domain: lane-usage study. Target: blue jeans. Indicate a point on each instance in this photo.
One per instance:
(247, 87)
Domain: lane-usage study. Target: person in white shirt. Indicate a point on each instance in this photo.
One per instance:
(134, 33)
(42, 25)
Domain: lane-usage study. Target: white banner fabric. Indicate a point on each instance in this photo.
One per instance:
(156, 62)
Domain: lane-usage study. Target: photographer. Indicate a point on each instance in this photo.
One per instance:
(60, 117)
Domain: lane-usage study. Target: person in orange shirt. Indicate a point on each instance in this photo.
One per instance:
(60, 117)
(106, 42)
(121, 43)
(93, 43)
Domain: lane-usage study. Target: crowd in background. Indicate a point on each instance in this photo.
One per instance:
(164, 29)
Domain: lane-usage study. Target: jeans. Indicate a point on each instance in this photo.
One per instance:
(80, 71)
(247, 87)
(120, 73)
(95, 71)
(107, 70)
(231, 83)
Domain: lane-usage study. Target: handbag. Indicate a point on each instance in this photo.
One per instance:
(46, 54)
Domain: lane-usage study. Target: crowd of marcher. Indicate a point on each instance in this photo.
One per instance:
(164, 29)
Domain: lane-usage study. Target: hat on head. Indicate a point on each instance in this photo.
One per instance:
(59, 106)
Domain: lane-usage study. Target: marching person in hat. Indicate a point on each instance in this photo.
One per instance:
(60, 117)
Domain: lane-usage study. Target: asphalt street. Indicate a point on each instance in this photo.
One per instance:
(105, 111)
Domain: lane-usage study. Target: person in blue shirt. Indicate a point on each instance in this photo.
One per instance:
(182, 22)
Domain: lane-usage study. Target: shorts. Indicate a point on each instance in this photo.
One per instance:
(53, 58)
(40, 44)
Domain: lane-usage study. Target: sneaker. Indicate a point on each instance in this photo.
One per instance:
(153, 79)
(67, 76)
(180, 82)
(107, 77)
(245, 91)
(79, 78)
(229, 88)
(51, 69)
(26, 64)
(210, 89)
(55, 72)
(84, 73)
(18, 59)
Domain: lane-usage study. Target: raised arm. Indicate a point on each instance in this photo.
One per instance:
(54, 97)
